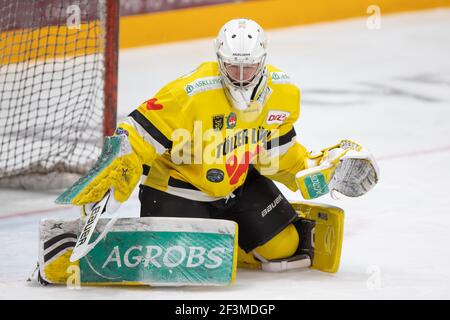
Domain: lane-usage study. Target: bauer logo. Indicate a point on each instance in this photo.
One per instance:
(161, 258)
(203, 84)
(280, 78)
(271, 206)
(277, 117)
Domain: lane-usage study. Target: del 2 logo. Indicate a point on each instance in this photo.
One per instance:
(278, 117)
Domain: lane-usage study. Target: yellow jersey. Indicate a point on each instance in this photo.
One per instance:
(194, 144)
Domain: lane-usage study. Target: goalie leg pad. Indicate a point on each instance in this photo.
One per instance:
(142, 251)
(321, 229)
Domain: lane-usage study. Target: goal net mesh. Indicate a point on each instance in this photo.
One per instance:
(51, 90)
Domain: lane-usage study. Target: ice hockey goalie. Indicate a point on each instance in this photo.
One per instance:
(208, 146)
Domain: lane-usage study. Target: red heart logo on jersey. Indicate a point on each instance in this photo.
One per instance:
(152, 105)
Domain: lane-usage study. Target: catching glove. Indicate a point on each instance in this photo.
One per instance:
(346, 167)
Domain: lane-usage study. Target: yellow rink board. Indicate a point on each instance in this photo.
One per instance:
(177, 25)
(205, 21)
(49, 42)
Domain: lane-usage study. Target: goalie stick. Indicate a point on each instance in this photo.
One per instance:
(106, 205)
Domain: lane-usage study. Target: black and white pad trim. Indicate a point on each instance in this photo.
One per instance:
(57, 245)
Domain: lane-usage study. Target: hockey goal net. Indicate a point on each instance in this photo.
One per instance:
(58, 83)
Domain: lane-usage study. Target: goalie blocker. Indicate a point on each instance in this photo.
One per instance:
(179, 251)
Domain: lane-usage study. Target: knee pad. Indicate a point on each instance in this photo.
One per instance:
(293, 248)
(283, 245)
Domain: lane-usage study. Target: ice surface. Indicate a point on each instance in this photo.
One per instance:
(389, 89)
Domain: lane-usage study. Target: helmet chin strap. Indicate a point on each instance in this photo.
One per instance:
(242, 97)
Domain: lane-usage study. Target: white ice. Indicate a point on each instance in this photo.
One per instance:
(388, 89)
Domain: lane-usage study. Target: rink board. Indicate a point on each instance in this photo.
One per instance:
(142, 251)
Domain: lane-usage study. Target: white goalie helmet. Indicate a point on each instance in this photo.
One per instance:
(241, 49)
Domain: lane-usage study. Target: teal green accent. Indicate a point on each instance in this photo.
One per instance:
(111, 150)
(316, 185)
(109, 261)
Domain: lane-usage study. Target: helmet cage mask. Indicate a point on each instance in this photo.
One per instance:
(249, 70)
